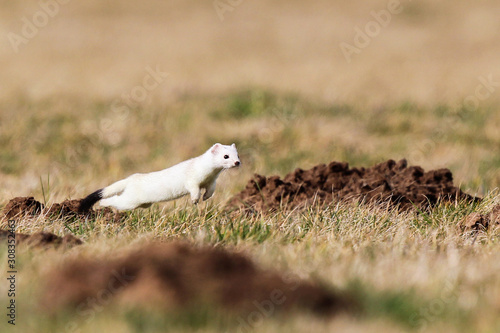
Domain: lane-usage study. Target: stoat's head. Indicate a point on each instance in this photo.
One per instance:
(225, 156)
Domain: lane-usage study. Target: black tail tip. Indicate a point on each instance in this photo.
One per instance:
(87, 203)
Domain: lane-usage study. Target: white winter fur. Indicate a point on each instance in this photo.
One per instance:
(188, 177)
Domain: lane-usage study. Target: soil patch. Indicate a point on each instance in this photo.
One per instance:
(178, 276)
(391, 182)
(476, 221)
(28, 206)
(22, 206)
(42, 239)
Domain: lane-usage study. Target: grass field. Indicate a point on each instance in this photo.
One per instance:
(287, 100)
(410, 271)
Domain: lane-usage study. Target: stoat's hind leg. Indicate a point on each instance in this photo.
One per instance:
(120, 202)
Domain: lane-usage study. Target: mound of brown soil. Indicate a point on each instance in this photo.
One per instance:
(42, 239)
(388, 182)
(28, 206)
(179, 276)
(22, 206)
(476, 221)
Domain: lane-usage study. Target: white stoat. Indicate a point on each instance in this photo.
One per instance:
(188, 177)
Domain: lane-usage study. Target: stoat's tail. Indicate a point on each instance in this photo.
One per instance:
(91, 199)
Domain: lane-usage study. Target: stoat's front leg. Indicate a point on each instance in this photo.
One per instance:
(195, 193)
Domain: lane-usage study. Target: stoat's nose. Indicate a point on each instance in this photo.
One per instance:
(237, 163)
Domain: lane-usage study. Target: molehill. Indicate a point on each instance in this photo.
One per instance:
(394, 183)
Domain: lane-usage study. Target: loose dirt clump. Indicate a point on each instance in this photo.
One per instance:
(41, 239)
(476, 221)
(22, 206)
(389, 182)
(179, 276)
(28, 206)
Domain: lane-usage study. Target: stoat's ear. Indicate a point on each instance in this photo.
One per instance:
(215, 148)
(233, 145)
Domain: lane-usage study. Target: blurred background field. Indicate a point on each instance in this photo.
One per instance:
(431, 52)
(80, 108)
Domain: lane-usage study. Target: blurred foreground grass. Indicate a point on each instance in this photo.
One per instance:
(408, 271)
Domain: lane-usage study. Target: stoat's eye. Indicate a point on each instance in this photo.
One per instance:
(226, 157)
